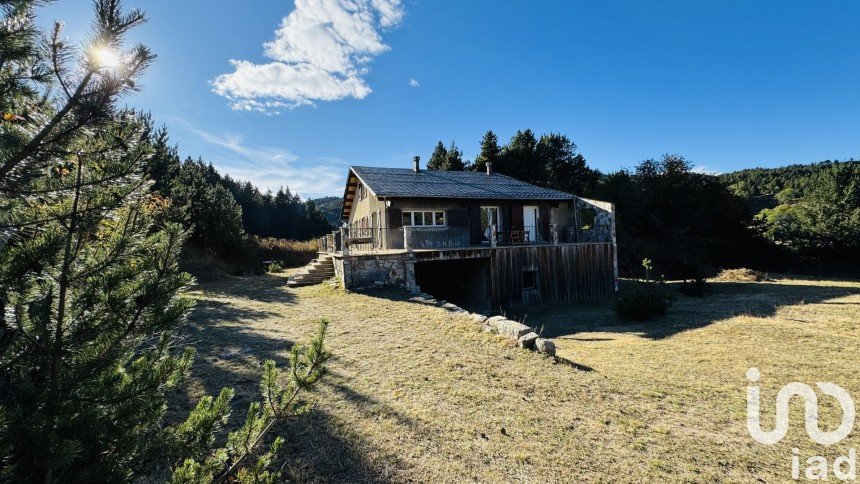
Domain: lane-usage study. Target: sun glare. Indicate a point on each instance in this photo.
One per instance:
(106, 57)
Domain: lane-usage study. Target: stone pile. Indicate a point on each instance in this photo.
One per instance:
(524, 336)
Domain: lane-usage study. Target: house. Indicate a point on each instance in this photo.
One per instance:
(474, 238)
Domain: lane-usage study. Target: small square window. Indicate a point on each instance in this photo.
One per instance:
(418, 218)
(530, 279)
(440, 218)
(586, 219)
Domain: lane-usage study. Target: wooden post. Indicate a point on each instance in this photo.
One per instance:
(493, 236)
(614, 244)
(553, 231)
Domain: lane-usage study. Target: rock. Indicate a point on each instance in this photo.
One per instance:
(453, 308)
(478, 318)
(545, 345)
(495, 319)
(527, 340)
(489, 329)
(512, 329)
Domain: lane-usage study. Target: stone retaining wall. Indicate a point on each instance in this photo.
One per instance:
(364, 271)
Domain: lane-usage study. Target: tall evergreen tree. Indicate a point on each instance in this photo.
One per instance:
(519, 159)
(561, 167)
(490, 153)
(454, 159)
(163, 167)
(212, 215)
(88, 288)
(439, 157)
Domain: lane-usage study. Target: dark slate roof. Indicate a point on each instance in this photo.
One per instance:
(406, 183)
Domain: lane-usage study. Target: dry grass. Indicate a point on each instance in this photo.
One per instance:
(289, 253)
(741, 275)
(416, 394)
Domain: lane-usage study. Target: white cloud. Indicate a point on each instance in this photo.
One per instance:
(705, 170)
(413, 83)
(320, 52)
(270, 168)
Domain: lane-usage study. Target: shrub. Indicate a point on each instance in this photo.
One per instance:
(275, 267)
(742, 275)
(697, 287)
(645, 298)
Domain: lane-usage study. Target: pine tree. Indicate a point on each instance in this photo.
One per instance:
(212, 215)
(163, 167)
(490, 153)
(88, 286)
(454, 159)
(561, 167)
(439, 157)
(518, 157)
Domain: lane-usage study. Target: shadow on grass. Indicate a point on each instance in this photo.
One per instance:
(728, 299)
(320, 452)
(564, 361)
(267, 288)
(317, 450)
(230, 354)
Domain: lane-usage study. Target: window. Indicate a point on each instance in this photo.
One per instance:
(586, 219)
(530, 279)
(489, 217)
(423, 218)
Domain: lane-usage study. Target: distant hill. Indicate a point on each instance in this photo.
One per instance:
(760, 186)
(330, 206)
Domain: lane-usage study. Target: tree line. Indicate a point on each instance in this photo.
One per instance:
(802, 217)
(220, 211)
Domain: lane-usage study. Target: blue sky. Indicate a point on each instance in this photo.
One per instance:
(317, 85)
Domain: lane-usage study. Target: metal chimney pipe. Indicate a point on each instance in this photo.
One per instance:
(489, 167)
(416, 164)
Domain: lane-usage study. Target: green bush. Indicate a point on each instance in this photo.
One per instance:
(643, 299)
(275, 267)
(697, 287)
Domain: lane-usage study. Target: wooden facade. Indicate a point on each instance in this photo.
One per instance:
(563, 273)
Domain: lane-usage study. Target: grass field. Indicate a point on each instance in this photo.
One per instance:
(417, 394)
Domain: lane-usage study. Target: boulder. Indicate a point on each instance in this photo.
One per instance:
(545, 346)
(489, 329)
(512, 329)
(527, 340)
(495, 319)
(478, 318)
(452, 307)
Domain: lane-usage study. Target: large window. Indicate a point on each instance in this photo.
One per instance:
(416, 219)
(489, 217)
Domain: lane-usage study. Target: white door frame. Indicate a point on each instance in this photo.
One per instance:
(531, 220)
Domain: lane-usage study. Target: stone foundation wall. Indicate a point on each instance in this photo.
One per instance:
(381, 270)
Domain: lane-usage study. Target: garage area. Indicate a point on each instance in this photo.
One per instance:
(464, 282)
